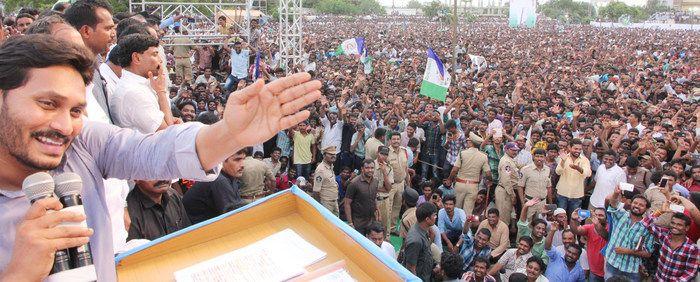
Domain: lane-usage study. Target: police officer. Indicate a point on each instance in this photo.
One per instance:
(470, 166)
(509, 176)
(398, 160)
(385, 177)
(257, 178)
(325, 187)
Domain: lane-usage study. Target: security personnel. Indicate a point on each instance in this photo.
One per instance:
(398, 160)
(181, 52)
(509, 176)
(385, 177)
(256, 177)
(470, 166)
(325, 188)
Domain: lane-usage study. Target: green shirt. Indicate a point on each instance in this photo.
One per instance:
(538, 247)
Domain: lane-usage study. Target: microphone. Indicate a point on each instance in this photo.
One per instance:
(40, 186)
(68, 187)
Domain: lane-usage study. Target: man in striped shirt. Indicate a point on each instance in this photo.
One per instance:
(630, 241)
(678, 259)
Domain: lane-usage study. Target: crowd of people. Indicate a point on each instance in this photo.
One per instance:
(570, 154)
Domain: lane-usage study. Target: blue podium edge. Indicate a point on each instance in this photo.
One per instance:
(294, 190)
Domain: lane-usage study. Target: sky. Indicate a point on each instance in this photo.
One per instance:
(403, 3)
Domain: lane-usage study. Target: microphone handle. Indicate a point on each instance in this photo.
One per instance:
(61, 260)
(79, 256)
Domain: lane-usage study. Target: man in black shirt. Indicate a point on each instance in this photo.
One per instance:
(155, 210)
(206, 200)
(361, 197)
(417, 255)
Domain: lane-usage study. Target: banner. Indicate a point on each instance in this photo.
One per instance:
(436, 79)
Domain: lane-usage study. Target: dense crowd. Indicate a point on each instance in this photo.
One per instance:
(570, 154)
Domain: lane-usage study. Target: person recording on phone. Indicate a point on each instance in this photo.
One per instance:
(660, 192)
(596, 234)
(537, 230)
(43, 82)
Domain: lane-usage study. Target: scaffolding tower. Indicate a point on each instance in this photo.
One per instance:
(290, 34)
(200, 21)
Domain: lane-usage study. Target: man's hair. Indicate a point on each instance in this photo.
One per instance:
(552, 147)
(484, 231)
(83, 12)
(482, 260)
(275, 148)
(425, 210)
(610, 153)
(138, 28)
(451, 265)
(681, 216)
(518, 277)
(575, 141)
(413, 142)
(540, 262)
(575, 246)
(451, 124)
(669, 172)
(527, 240)
(208, 118)
(449, 197)
(248, 151)
(494, 211)
(60, 7)
(43, 25)
(366, 162)
(134, 43)
(20, 54)
(539, 151)
(379, 132)
(632, 162)
(375, 227)
(123, 24)
(537, 221)
(23, 15)
(640, 196)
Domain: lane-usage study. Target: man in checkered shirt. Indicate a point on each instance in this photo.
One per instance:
(678, 259)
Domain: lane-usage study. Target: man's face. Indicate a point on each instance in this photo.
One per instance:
(600, 214)
(678, 227)
(575, 150)
(329, 158)
(492, 219)
(376, 237)
(512, 152)
(521, 142)
(233, 166)
(538, 159)
(188, 113)
(552, 154)
(561, 219)
(237, 47)
(449, 206)
(481, 240)
(677, 168)
(549, 137)
(480, 269)
(410, 130)
(367, 170)
(40, 119)
(102, 35)
(572, 254)
(639, 207)
(523, 247)
(395, 140)
(568, 238)
(533, 270)
(154, 186)
(696, 174)
(207, 73)
(332, 117)
(540, 230)
(276, 155)
(23, 24)
(149, 61)
(608, 161)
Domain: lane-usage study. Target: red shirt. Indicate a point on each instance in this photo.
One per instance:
(284, 183)
(596, 260)
(694, 187)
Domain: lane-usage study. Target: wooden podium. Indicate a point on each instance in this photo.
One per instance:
(293, 209)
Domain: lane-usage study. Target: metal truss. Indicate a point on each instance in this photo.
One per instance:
(290, 33)
(201, 24)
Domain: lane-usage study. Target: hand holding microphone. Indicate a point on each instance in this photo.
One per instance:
(41, 234)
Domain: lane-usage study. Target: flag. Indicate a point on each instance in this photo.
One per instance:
(366, 62)
(478, 62)
(436, 79)
(352, 46)
(256, 71)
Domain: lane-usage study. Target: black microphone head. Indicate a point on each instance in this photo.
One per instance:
(68, 184)
(38, 186)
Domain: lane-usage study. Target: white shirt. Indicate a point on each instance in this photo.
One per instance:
(389, 249)
(134, 104)
(110, 77)
(639, 127)
(523, 158)
(332, 135)
(605, 182)
(211, 82)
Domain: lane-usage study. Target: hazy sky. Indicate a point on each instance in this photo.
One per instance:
(402, 3)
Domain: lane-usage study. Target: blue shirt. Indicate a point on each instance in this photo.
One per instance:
(468, 252)
(284, 143)
(455, 225)
(626, 234)
(239, 63)
(558, 271)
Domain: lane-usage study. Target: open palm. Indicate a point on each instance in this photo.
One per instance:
(259, 111)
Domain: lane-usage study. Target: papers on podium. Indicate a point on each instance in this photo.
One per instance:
(279, 257)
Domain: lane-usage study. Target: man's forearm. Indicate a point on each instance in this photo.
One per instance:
(214, 145)
(164, 105)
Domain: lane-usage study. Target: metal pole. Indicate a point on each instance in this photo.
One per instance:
(454, 36)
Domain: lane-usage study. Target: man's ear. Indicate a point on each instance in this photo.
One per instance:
(85, 31)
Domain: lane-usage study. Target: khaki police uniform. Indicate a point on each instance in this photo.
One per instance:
(505, 191)
(183, 65)
(255, 172)
(536, 182)
(325, 185)
(383, 194)
(471, 164)
(398, 160)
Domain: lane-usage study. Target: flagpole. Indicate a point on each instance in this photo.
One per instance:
(454, 37)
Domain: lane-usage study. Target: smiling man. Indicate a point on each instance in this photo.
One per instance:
(42, 81)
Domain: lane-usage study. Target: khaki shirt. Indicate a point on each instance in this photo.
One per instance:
(324, 181)
(471, 163)
(371, 148)
(255, 172)
(407, 220)
(379, 176)
(508, 173)
(657, 200)
(398, 160)
(180, 51)
(536, 181)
